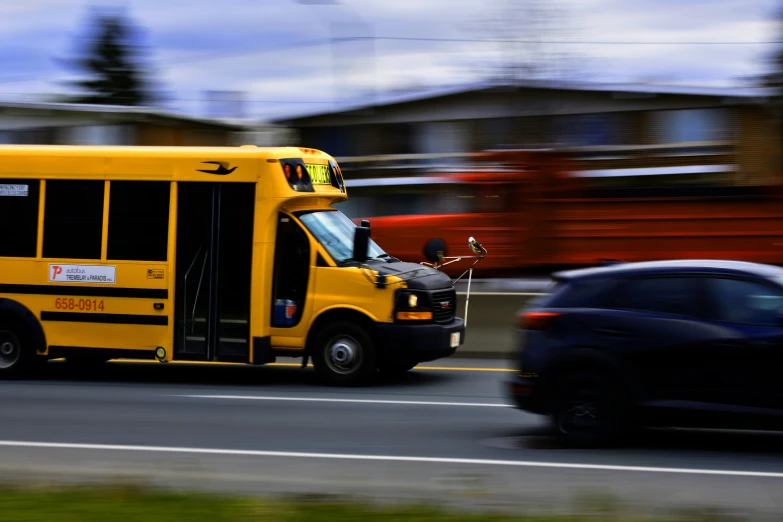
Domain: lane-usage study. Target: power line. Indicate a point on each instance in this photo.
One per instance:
(556, 42)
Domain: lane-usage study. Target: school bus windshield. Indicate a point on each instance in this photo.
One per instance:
(335, 232)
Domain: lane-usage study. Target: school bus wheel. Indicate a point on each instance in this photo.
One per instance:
(17, 358)
(344, 354)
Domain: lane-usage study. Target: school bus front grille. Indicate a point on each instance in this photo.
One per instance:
(444, 305)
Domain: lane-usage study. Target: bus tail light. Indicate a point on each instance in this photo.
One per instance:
(414, 316)
(536, 320)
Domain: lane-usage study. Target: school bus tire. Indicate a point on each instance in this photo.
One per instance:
(344, 354)
(18, 359)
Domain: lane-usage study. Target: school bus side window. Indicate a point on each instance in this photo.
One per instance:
(138, 220)
(18, 217)
(73, 219)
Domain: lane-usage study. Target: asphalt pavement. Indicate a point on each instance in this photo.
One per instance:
(442, 433)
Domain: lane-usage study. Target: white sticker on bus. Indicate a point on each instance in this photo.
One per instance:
(82, 274)
(14, 190)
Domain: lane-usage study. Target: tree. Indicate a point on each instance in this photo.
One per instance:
(523, 32)
(112, 61)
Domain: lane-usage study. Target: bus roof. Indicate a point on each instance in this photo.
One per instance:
(145, 162)
(161, 151)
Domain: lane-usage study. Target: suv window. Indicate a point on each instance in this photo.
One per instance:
(746, 302)
(669, 295)
(589, 293)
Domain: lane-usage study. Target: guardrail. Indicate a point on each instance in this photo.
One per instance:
(491, 328)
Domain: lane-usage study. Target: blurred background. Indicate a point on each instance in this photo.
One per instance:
(562, 132)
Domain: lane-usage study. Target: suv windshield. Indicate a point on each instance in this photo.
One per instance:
(335, 232)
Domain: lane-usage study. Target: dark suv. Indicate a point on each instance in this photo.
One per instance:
(671, 343)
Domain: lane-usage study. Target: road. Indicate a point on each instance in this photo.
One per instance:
(443, 432)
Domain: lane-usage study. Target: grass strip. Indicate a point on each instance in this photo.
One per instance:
(141, 504)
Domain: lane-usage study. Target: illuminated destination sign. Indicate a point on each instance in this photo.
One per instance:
(319, 174)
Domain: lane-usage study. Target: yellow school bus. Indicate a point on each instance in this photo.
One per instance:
(204, 254)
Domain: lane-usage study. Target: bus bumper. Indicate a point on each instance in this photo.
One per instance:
(419, 342)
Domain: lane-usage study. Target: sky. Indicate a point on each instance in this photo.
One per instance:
(298, 56)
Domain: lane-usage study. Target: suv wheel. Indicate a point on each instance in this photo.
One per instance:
(587, 410)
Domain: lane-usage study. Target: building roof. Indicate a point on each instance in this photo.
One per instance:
(118, 111)
(620, 90)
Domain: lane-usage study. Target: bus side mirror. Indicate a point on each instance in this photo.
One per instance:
(474, 246)
(435, 250)
(361, 244)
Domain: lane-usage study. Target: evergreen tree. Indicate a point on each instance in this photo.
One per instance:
(116, 75)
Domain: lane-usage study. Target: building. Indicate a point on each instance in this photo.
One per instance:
(734, 133)
(74, 124)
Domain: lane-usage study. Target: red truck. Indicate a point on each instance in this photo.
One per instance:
(536, 211)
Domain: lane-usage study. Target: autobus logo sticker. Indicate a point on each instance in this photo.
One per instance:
(96, 274)
(221, 170)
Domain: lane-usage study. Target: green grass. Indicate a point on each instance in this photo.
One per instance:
(137, 504)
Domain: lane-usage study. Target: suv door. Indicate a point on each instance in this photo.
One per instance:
(655, 323)
(748, 345)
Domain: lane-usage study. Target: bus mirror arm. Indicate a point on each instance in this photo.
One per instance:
(481, 252)
(469, 271)
(474, 246)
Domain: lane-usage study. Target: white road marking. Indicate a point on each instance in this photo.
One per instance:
(357, 401)
(387, 458)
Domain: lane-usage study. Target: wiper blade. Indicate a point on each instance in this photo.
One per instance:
(388, 258)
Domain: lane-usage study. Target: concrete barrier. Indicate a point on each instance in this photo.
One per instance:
(491, 320)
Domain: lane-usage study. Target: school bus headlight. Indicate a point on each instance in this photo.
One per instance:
(414, 316)
(160, 353)
(413, 300)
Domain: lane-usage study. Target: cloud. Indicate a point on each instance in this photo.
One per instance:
(278, 50)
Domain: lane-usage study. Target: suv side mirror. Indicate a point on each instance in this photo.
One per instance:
(361, 244)
(435, 250)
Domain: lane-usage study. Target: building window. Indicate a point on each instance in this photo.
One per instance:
(19, 217)
(585, 130)
(100, 135)
(691, 125)
(73, 219)
(138, 220)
